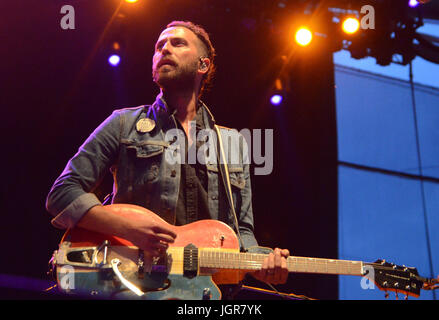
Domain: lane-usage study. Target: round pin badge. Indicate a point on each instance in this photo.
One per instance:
(145, 125)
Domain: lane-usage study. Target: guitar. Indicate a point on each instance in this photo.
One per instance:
(205, 254)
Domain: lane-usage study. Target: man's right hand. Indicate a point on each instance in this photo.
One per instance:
(151, 236)
(149, 233)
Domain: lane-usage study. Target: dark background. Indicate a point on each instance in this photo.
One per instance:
(56, 87)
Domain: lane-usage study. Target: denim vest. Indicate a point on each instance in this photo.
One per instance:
(145, 172)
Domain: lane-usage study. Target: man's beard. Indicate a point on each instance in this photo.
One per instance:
(181, 78)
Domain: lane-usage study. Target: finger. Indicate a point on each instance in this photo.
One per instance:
(159, 229)
(285, 253)
(284, 271)
(161, 252)
(156, 250)
(277, 258)
(263, 271)
(270, 262)
(164, 237)
(277, 266)
(161, 246)
(270, 268)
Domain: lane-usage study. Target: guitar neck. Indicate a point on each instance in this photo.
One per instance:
(253, 261)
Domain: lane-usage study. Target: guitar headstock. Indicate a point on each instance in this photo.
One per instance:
(390, 277)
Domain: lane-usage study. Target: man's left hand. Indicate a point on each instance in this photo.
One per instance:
(274, 268)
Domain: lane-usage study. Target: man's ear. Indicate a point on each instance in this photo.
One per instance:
(204, 64)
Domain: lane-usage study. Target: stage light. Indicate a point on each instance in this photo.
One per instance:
(114, 60)
(131, 1)
(413, 3)
(116, 46)
(350, 25)
(276, 99)
(303, 36)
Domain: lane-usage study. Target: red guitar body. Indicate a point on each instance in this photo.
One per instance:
(83, 259)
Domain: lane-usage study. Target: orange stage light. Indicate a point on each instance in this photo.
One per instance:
(303, 36)
(350, 25)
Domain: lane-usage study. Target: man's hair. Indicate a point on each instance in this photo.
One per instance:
(210, 50)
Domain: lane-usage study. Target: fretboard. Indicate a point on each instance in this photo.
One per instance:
(253, 261)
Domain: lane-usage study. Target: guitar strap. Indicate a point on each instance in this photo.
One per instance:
(224, 170)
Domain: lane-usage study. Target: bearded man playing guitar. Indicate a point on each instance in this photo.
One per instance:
(133, 142)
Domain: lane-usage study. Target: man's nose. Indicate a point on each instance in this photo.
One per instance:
(166, 48)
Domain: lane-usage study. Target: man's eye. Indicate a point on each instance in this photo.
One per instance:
(178, 42)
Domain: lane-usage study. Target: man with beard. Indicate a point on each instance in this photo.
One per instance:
(132, 143)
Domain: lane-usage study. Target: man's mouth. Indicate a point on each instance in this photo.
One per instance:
(166, 62)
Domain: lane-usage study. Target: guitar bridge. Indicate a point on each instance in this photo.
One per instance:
(84, 257)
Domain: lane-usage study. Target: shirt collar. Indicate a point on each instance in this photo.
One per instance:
(203, 113)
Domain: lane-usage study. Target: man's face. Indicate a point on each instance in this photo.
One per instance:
(176, 59)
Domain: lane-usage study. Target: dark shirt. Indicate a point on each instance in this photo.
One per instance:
(192, 202)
